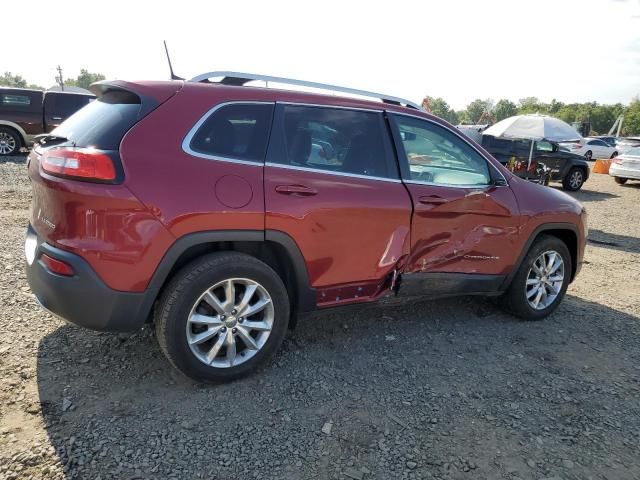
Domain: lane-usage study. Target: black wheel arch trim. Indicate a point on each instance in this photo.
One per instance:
(306, 299)
(540, 229)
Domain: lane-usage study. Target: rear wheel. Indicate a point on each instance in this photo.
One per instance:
(541, 281)
(588, 155)
(614, 154)
(222, 316)
(573, 180)
(620, 180)
(10, 142)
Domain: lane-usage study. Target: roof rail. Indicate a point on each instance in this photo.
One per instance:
(239, 79)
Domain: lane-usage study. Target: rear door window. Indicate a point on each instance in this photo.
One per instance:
(236, 131)
(20, 101)
(334, 139)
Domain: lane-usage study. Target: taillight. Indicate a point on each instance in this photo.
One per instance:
(80, 163)
(616, 160)
(56, 266)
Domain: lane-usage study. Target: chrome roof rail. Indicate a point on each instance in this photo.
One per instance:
(239, 79)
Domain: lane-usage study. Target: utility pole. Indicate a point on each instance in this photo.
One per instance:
(59, 78)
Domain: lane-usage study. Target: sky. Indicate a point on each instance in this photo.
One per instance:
(570, 50)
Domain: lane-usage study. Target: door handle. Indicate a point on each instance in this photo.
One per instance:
(432, 200)
(296, 190)
(56, 118)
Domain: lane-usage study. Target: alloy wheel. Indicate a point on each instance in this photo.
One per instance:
(230, 322)
(545, 280)
(575, 180)
(7, 144)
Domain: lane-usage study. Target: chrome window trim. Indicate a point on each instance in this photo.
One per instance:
(458, 134)
(338, 107)
(449, 185)
(186, 143)
(330, 172)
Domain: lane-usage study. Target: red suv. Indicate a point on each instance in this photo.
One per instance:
(223, 211)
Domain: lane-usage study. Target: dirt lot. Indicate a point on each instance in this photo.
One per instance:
(440, 389)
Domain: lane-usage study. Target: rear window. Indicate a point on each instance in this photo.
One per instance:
(238, 131)
(103, 122)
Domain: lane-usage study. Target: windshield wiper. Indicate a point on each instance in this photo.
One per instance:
(49, 139)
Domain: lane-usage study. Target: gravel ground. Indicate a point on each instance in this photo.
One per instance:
(441, 389)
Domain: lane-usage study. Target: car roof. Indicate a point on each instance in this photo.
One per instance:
(295, 96)
(20, 89)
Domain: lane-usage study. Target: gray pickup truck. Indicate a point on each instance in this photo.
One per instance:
(25, 113)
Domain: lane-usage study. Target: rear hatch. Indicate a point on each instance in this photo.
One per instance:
(78, 179)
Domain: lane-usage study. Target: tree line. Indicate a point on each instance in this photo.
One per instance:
(83, 80)
(601, 116)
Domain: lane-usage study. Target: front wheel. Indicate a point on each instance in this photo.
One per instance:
(574, 180)
(222, 316)
(541, 281)
(620, 180)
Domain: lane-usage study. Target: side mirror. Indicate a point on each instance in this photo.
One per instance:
(499, 182)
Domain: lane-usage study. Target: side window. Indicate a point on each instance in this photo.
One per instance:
(544, 146)
(435, 155)
(337, 140)
(11, 100)
(238, 131)
(67, 105)
(592, 142)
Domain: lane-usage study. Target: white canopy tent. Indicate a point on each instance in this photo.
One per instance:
(534, 127)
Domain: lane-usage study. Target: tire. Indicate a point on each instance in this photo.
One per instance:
(614, 155)
(10, 142)
(573, 180)
(516, 301)
(620, 180)
(182, 308)
(588, 155)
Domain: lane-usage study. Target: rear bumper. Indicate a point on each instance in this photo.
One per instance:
(620, 171)
(83, 298)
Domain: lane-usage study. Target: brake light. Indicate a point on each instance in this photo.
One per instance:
(57, 266)
(81, 163)
(616, 160)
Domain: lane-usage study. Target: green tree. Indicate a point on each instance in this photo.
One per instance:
(85, 79)
(631, 125)
(441, 109)
(504, 109)
(16, 81)
(532, 105)
(476, 108)
(462, 116)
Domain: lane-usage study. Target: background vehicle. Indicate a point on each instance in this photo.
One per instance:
(608, 139)
(568, 168)
(254, 234)
(25, 113)
(625, 143)
(626, 166)
(592, 148)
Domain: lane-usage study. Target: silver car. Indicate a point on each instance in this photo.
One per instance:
(626, 166)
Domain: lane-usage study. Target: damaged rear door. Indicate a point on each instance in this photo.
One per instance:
(332, 185)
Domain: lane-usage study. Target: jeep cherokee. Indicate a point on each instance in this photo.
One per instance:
(221, 212)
